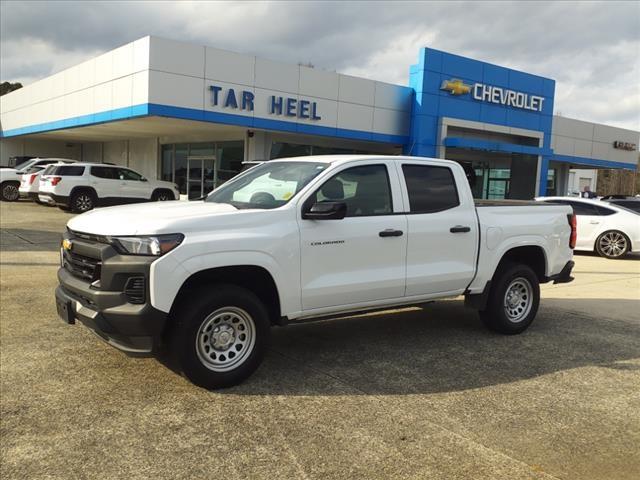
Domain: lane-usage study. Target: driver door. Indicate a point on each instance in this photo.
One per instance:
(362, 257)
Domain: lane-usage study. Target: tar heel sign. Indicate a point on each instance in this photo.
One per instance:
(491, 94)
(231, 99)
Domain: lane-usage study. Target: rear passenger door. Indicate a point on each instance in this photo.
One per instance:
(105, 182)
(442, 229)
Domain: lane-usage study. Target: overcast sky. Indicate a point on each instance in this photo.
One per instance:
(592, 49)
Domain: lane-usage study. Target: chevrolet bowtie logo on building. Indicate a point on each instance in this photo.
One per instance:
(455, 87)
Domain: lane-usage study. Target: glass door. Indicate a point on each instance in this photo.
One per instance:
(201, 176)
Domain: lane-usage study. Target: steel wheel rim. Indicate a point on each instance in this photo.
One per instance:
(163, 197)
(518, 299)
(225, 339)
(613, 244)
(10, 192)
(83, 203)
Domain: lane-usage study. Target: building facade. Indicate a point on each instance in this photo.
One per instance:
(192, 114)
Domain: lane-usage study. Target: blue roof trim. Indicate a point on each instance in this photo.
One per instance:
(149, 109)
(80, 121)
(592, 162)
(494, 146)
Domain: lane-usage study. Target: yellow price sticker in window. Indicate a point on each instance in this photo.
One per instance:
(287, 195)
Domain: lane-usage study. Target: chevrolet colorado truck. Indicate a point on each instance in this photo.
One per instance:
(298, 239)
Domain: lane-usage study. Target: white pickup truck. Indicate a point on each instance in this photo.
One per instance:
(304, 238)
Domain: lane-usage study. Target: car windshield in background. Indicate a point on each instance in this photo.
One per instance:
(25, 166)
(267, 186)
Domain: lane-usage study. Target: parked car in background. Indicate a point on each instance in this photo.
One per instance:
(30, 184)
(83, 186)
(609, 229)
(10, 178)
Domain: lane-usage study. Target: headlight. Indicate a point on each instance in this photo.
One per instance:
(153, 245)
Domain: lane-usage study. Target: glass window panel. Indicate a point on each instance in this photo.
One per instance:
(181, 153)
(229, 156)
(283, 150)
(431, 189)
(166, 163)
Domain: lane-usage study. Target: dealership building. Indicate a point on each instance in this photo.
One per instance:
(192, 114)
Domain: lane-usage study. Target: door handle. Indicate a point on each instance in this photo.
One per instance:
(390, 232)
(594, 222)
(460, 229)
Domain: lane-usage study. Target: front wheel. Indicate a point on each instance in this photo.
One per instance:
(513, 300)
(220, 339)
(612, 244)
(162, 196)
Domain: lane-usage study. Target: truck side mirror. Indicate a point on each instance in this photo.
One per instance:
(325, 211)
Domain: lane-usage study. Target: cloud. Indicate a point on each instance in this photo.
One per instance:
(591, 49)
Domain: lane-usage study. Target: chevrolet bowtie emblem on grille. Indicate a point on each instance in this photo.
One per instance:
(67, 244)
(455, 87)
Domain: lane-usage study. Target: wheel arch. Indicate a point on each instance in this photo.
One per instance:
(533, 256)
(83, 188)
(157, 190)
(255, 278)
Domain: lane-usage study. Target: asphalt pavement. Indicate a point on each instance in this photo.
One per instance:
(413, 393)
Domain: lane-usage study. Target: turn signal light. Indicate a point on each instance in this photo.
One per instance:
(55, 180)
(574, 230)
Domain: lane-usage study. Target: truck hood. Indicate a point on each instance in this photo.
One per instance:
(150, 218)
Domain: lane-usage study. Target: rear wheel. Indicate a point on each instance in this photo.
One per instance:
(82, 201)
(513, 301)
(220, 339)
(612, 244)
(9, 191)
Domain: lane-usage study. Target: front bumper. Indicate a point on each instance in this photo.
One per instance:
(105, 304)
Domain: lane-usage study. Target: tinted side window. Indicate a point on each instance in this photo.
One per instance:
(124, 174)
(604, 211)
(104, 172)
(583, 208)
(365, 190)
(69, 171)
(431, 189)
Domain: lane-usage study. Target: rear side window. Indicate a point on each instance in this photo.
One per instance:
(630, 204)
(105, 172)
(431, 189)
(69, 171)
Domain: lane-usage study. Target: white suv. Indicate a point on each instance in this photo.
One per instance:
(82, 186)
(30, 184)
(10, 178)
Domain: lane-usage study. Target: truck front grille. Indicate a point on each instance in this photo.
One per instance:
(82, 267)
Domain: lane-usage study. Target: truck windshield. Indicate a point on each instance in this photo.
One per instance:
(266, 186)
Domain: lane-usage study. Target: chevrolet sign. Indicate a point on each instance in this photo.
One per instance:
(491, 94)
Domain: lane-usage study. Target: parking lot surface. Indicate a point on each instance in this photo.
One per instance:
(414, 393)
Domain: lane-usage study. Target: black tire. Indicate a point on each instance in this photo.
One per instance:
(191, 337)
(513, 300)
(162, 196)
(9, 191)
(613, 244)
(82, 201)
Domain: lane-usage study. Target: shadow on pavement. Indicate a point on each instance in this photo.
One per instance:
(442, 348)
(21, 239)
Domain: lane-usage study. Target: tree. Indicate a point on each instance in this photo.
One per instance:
(7, 87)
